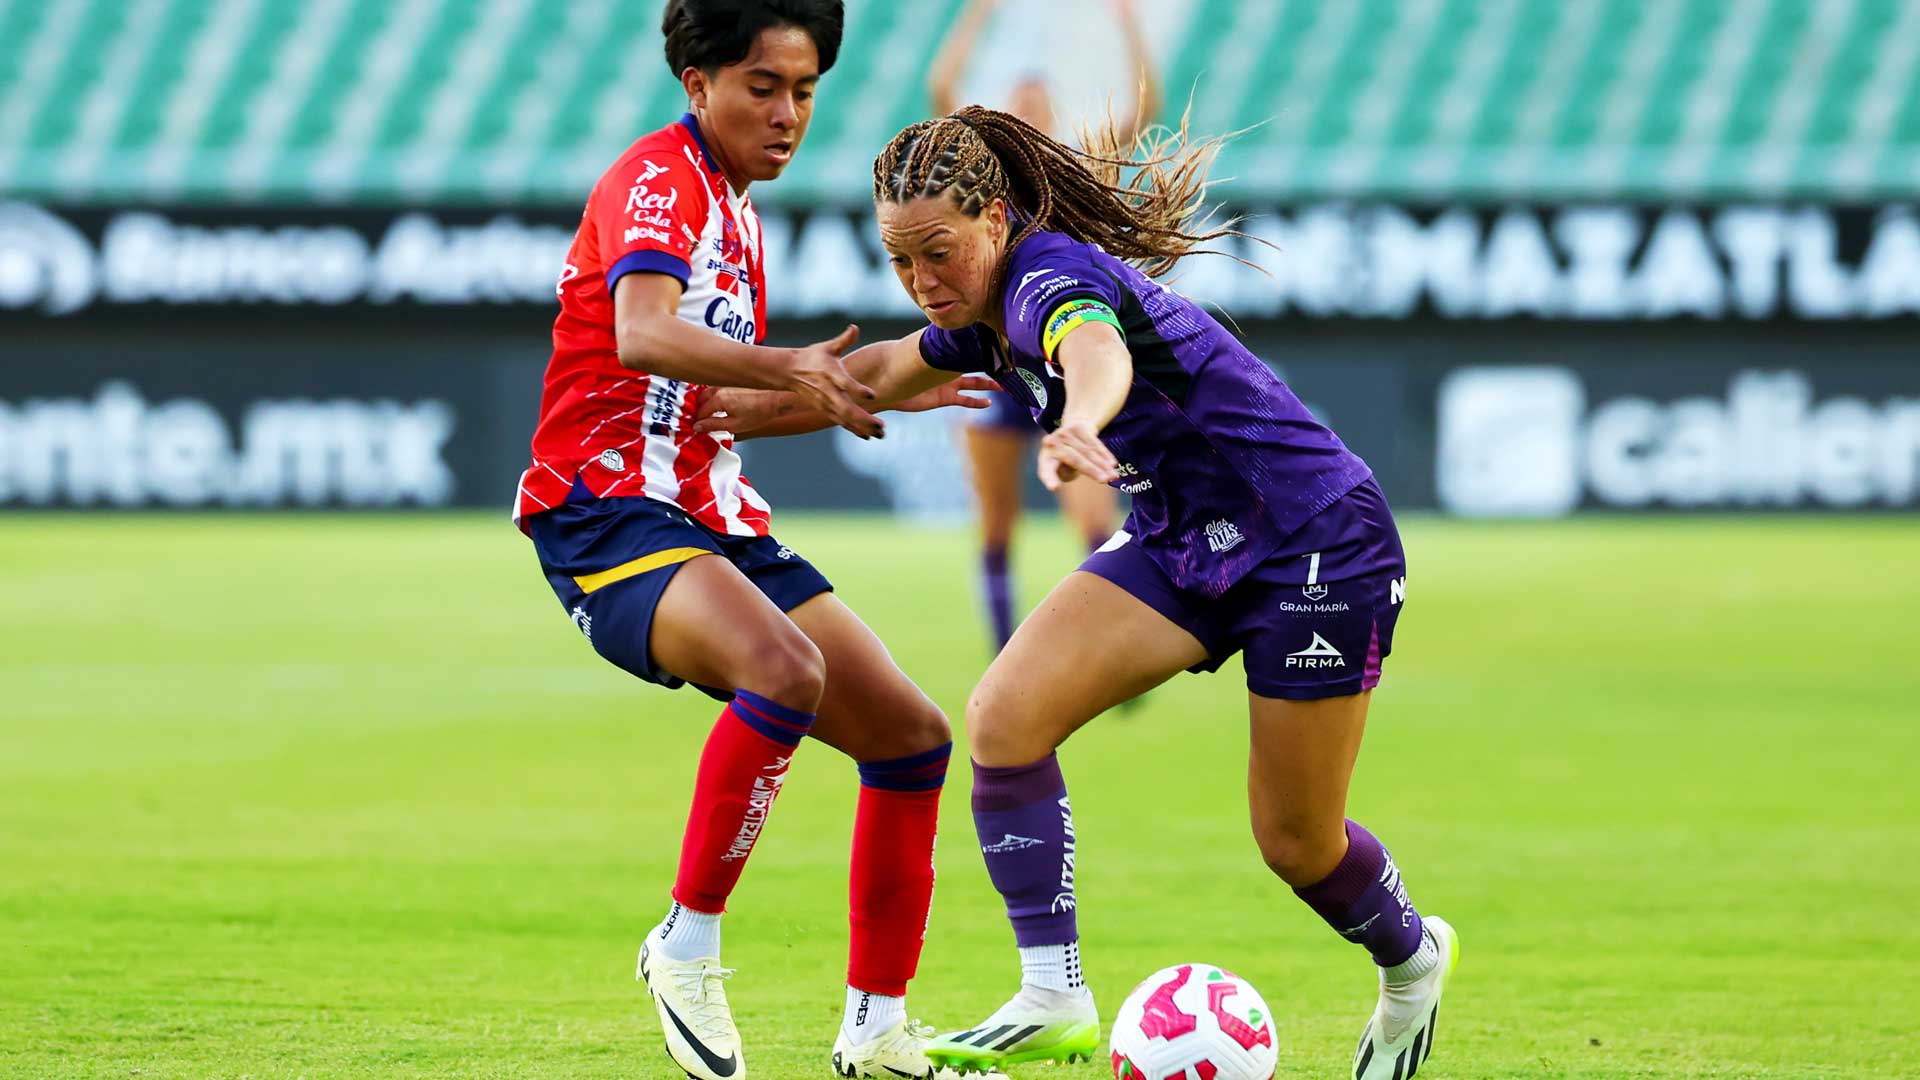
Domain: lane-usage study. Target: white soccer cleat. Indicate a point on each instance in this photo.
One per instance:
(901, 1050)
(1037, 1025)
(1399, 1036)
(691, 998)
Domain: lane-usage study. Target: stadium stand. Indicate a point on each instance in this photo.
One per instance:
(518, 101)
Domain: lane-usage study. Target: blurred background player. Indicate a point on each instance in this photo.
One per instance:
(661, 552)
(999, 439)
(1254, 530)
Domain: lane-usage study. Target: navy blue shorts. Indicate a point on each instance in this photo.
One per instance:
(608, 560)
(1005, 414)
(1315, 618)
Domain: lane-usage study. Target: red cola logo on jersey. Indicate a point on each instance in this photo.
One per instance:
(642, 202)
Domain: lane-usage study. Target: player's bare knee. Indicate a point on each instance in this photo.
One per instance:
(995, 734)
(902, 728)
(914, 729)
(1293, 853)
(926, 727)
(788, 670)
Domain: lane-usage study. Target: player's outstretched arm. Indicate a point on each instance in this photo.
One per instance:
(899, 378)
(1099, 372)
(652, 338)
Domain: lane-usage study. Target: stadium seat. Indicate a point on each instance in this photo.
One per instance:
(521, 101)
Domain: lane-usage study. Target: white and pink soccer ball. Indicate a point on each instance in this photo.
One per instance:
(1193, 1022)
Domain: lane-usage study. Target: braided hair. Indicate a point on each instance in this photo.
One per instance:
(980, 154)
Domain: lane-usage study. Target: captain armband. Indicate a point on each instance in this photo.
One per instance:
(1072, 315)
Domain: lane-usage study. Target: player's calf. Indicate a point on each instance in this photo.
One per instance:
(890, 891)
(1365, 901)
(1025, 824)
(742, 768)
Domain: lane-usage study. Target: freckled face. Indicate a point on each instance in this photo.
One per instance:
(945, 259)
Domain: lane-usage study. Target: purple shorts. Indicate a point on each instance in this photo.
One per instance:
(1315, 619)
(1005, 414)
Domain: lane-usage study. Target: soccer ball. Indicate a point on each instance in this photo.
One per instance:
(1193, 1022)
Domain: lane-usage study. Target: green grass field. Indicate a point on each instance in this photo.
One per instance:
(331, 796)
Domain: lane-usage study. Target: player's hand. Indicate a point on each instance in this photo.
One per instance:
(1074, 449)
(824, 383)
(738, 409)
(950, 394)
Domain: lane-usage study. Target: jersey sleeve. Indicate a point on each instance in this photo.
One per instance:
(1056, 290)
(649, 216)
(953, 350)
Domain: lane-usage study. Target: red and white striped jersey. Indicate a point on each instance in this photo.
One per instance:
(665, 208)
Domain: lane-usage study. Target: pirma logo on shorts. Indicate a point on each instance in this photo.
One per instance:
(1317, 655)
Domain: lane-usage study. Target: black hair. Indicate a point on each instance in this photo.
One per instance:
(709, 34)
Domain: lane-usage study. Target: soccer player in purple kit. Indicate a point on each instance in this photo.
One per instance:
(1253, 530)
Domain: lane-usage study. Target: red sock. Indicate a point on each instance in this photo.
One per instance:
(890, 888)
(741, 770)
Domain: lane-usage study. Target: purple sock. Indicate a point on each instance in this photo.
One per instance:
(998, 586)
(1365, 900)
(1026, 834)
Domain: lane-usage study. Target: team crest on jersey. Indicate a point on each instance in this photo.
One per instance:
(728, 242)
(729, 263)
(1034, 384)
(613, 460)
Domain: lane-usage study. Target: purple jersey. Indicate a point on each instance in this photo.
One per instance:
(1222, 461)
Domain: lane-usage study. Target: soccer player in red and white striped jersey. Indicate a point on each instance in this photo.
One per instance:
(661, 551)
(665, 208)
